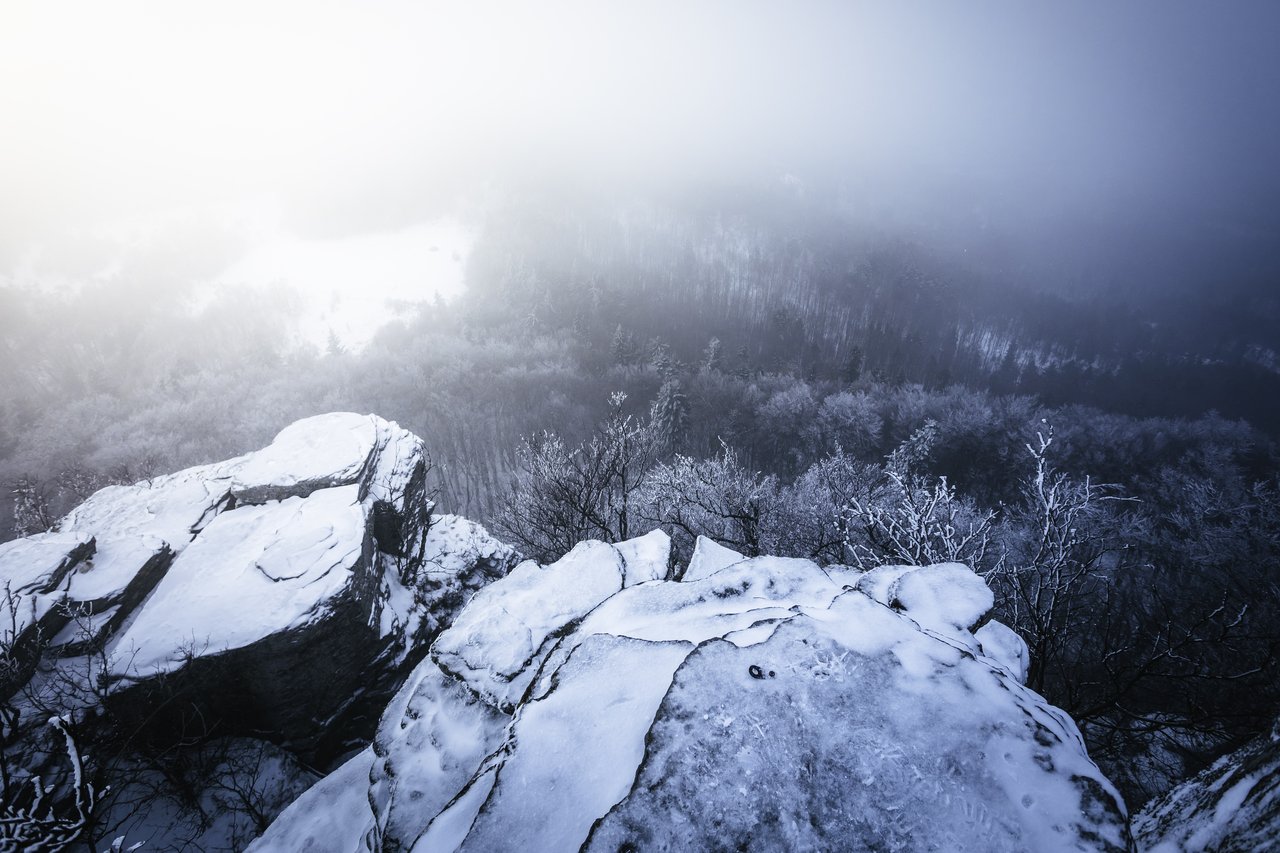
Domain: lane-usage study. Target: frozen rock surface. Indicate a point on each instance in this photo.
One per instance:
(763, 704)
(945, 597)
(287, 581)
(333, 813)
(1003, 645)
(1232, 807)
(304, 458)
(34, 571)
(285, 594)
(708, 558)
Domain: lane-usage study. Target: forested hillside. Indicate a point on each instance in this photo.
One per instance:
(783, 378)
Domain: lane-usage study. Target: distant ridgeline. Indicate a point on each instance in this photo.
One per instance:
(291, 645)
(798, 284)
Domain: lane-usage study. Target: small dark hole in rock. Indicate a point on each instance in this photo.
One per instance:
(756, 672)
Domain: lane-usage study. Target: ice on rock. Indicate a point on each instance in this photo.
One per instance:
(332, 816)
(433, 736)
(645, 558)
(311, 454)
(879, 582)
(217, 557)
(290, 590)
(39, 563)
(457, 558)
(708, 558)
(744, 594)
(602, 704)
(114, 563)
(809, 741)
(32, 573)
(1233, 805)
(494, 640)
(944, 597)
(253, 570)
(455, 545)
(335, 507)
(765, 705)
(172, 508)
(1002, 644)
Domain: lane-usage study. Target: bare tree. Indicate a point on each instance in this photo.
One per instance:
(39, 811)
(716, 497)
(31, 507)
(562, 495)
(907, 518)
(1061, 552)
(31, 818)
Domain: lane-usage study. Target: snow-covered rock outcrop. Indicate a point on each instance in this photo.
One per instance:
(274, 590)
(760, 704)
(1232, 807)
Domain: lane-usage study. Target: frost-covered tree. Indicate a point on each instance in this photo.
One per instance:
(31, 511)
(623, 348)
(660, 358)
(1058, 548)
(46, 803)
(711, 356)
(848, 421)
(719, 498)
(908, 518)
(670, 415)
(32, 815)
(562, 495)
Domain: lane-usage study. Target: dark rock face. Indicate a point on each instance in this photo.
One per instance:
(1232, 807)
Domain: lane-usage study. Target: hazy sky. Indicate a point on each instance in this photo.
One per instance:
(367, 117)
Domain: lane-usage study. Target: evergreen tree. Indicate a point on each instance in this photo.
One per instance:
(660, 358)
(623, 348)
(334, 346)
(853, 365)
(670, 414)
(711, 356)
(742, 368)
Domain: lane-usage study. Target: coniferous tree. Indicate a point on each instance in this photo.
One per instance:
(711, 356)
(660, 357)
(742, 366)
(670, 415)
(623, 348)
(853, 365)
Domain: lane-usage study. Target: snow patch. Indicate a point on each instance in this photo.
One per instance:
(708, 558)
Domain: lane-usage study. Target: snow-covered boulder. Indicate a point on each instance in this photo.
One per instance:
(1232, 807)
(284, 590)
(763, 704)
(708, 558)
(33, 574)
(1006, 647)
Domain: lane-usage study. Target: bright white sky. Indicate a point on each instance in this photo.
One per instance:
(345, 119)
